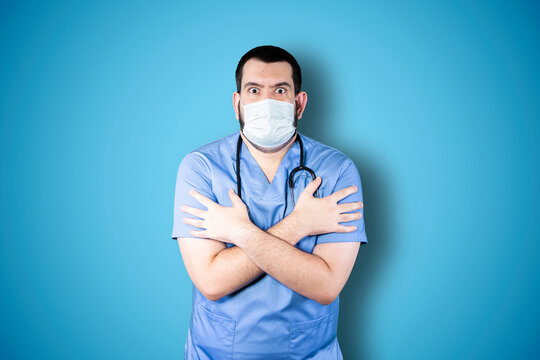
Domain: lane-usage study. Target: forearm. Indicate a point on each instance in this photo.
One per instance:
(304, 273)
(232, 269)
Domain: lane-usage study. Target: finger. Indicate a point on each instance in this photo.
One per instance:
(343, 193)
(195, 222)
(312, 186)
(235, 199)
(201, 198)
(193, 211)
(345, 228)
(350, 217)
(199, 234)
(346, 207)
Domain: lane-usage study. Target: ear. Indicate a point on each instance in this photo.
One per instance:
(236, 103)
(301, 101)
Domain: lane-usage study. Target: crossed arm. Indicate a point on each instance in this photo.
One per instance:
(217, 270)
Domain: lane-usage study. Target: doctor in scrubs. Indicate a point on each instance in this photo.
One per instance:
(267, 263)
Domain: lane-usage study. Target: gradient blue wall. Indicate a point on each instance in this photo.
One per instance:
(436, 102)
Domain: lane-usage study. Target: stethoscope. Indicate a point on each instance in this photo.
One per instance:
(290, 178)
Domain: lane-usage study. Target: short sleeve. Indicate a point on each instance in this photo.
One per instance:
(349, 176)
(193, 173)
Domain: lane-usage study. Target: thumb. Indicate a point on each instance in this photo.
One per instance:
(313, 186)
(235, 199)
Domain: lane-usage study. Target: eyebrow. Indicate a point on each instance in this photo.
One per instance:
(283, 83)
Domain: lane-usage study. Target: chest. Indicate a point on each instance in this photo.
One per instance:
(267, 203)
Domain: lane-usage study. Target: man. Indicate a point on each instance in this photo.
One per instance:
(267, 263)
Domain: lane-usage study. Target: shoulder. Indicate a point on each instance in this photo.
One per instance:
(319, 153)
(215, 152)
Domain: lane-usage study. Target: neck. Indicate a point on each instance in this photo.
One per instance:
(268, 156)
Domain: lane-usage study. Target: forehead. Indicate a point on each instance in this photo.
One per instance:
(258, 71)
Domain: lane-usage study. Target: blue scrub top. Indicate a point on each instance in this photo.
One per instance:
(265, 319)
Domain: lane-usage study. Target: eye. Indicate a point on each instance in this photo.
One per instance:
(280, 90)
(253, 90)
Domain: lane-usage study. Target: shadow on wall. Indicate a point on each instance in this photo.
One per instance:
(316, 123)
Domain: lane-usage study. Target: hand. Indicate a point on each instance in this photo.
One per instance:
(222, 223)
(322, 215)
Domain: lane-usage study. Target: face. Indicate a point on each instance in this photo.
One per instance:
(262, 81)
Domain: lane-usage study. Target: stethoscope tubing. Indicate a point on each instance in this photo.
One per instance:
(290, 178)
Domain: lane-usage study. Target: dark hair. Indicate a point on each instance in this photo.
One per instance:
(270, 54)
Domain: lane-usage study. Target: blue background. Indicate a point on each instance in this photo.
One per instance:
(436, 102)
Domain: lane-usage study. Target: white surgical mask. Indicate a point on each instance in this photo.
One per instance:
(269, 122)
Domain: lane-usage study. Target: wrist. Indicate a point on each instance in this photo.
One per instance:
(296, 223)
(285, 230)
(246, 232)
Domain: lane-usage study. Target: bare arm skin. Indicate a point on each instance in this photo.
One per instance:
(319, 276)
(217, 271)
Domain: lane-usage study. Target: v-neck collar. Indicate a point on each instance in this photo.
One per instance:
(280, 177)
